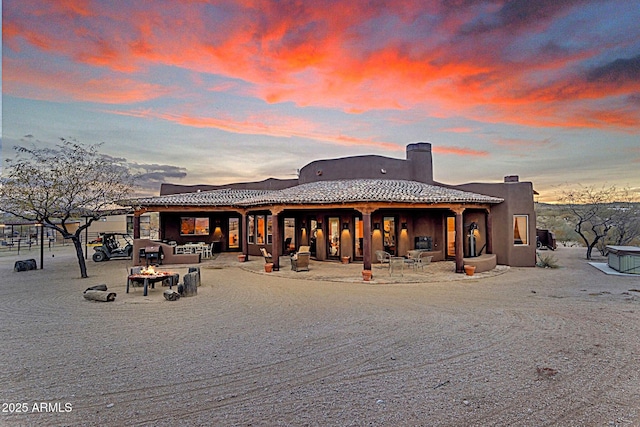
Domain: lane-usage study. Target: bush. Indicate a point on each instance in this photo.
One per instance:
(547, 261)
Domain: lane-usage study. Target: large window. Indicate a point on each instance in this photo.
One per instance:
(194, 226)
(521, 230)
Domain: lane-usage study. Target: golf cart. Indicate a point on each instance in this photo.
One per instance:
(112, 246)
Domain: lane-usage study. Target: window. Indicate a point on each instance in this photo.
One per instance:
(250, 229)
(145, 226)
(521, 230)
(269, 229)
(194, 226)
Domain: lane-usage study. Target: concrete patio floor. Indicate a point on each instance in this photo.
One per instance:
(335, 271)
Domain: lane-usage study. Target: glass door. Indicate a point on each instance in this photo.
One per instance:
(451, 237)
(359, 237)
(234, 233)
(389, 227)
(334, 237)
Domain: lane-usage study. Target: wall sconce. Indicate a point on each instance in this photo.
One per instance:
(404, 225)
(319, 226)
(345, 225)
(303, 224)
(376, 226)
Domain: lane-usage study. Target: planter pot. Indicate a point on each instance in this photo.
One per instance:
(469, 269)
(366, 275)
(268, 267)
(242, 258)
(345, 260)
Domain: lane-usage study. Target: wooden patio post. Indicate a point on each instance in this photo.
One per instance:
(366, 240)
(459, 240)
(136, 224)
(275, 242)
(244, 245)
(489, 232)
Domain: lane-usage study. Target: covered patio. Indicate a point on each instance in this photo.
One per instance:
(344, 219)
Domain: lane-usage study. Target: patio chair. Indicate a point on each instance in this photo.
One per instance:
(267, 256)
(396, 263)
(383, 257)
(300, 261)
(422, 260)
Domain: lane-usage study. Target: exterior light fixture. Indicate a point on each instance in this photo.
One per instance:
(345, 225)
(319, 226)
(404, 225)
(376, 226)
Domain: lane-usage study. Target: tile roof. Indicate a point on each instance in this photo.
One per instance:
(225, 197)
(320, 192)
(368, 190)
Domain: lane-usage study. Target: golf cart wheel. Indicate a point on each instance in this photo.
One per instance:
(99, 256)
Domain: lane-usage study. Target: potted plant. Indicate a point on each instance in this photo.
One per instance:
(469, 269)
(366, 275)
(345, 259)
(268, 267)
(242, 257)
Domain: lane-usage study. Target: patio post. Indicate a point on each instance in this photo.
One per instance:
(459, 240)
(366, 240)
(136, 224)
(275, 244)
(244, 245)
(489, 232)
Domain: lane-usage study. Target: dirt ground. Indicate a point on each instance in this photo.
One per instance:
(515, 347)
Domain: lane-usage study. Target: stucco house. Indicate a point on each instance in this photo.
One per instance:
(352, 207)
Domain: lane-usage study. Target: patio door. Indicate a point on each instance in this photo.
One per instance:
(389, 240)
(359, 237)
(234, 233)
(333, 242)
(451, 237)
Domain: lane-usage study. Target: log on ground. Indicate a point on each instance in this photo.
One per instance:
(171, 295)
(104, 296)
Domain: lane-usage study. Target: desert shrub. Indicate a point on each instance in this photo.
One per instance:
(547, 261)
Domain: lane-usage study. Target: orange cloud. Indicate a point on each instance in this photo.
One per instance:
(267, 125)
(352, 56)
(22, 80)
(459, 151)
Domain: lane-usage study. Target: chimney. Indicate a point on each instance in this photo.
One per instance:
(420, 161)
(512, 178)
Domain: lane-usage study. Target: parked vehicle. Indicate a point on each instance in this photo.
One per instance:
(112, 246)
(545, 238)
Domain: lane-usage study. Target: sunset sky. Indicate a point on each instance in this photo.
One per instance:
(211, 92)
